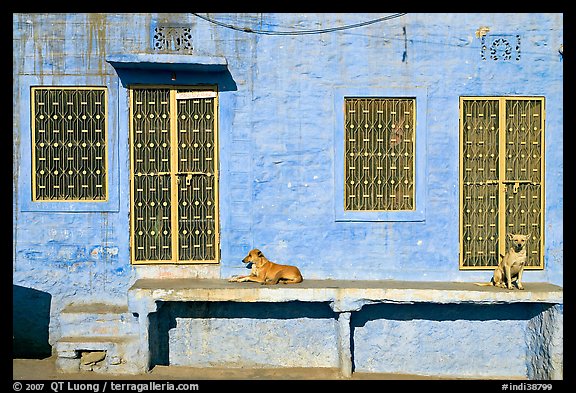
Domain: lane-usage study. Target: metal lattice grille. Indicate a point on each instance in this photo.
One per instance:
(151, 192)
(196, 166)
(501, 178)
(480, 157)
(379, 153)
(69, 144)
(174, 187)
(525, 173)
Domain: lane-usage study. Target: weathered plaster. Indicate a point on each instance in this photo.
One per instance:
(277, 150)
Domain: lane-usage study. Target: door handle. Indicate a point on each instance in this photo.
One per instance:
(189, 175)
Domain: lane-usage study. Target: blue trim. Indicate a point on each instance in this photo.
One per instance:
(419, 214)
(25, 151)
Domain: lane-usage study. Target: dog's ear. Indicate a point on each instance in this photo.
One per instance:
(510, 236)
(260, 255)
(528, 235)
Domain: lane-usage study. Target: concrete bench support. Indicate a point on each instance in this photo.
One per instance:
(344, 348)
(143, 308)
(348, 297)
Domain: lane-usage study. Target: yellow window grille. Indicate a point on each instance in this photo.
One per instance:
(501, 178)
(69, 143)
(174, 175)
(379, 153)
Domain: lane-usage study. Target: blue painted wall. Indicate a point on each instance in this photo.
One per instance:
(278, 142)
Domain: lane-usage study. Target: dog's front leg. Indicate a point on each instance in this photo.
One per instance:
(237, 279)
(252, 279)
(508, 277)
(519, 279)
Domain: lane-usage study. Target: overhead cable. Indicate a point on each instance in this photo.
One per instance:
(298, 32)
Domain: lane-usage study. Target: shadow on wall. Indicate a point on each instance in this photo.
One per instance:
(239, 328)
(443, 338)
(30, 320)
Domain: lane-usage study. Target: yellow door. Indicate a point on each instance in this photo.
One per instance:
(174, 175)
(501, 178)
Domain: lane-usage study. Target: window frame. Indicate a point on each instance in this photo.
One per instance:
(420, 172)
(23, 144)
(351, 160)
(33, 150)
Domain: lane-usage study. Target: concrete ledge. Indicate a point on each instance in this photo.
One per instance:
(94, 308)
(173, 62)
(343, 295)
(346, 297)
(67, 347)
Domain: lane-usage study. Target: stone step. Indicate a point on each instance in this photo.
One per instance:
(103, 354)
(96, 319)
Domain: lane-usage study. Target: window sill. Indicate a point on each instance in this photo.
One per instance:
(378, 216)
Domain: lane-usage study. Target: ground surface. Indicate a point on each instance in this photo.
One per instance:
(45, 369)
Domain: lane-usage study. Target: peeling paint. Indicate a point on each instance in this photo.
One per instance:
(97, 26)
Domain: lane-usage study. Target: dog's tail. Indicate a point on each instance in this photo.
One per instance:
(484, 284)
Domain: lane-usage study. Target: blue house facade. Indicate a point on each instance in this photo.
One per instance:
(359, 147)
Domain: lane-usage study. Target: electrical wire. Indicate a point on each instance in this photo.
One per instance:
(300, 32)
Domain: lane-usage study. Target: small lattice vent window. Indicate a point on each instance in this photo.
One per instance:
(172, 38)
(379, 153)
(69, 146)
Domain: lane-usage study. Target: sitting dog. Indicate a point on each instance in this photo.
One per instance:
(511, 266)
(268, 272)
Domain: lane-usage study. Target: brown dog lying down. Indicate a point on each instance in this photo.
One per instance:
(268, 272)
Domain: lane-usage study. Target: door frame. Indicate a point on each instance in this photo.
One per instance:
(503, 182)
(174, 260)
